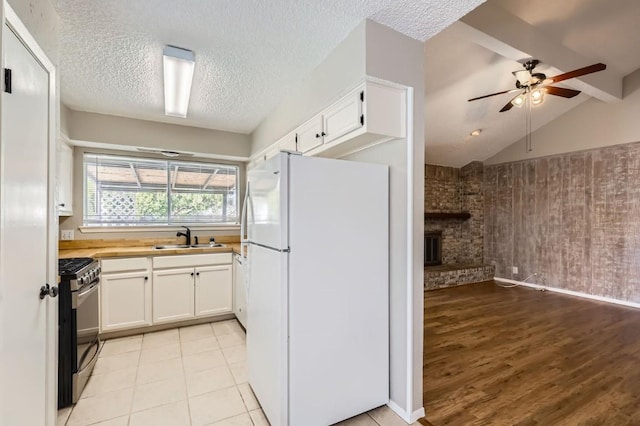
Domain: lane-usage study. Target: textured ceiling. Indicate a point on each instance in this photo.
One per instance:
(249, 54)
(457, 68)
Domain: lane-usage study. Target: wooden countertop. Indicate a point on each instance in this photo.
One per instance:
(100, 249)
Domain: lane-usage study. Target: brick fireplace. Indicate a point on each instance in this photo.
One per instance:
(454, 226)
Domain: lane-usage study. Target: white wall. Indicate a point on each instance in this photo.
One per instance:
(394, 57)
(65, 115)
(591, 124)
(342, 69)
(42, 21)
(128, 132)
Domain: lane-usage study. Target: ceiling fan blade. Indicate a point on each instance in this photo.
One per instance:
(561, 91)
(509, 105)
(579, 72)
(494, 94)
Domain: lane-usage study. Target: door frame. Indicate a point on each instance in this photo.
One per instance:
(11, 19)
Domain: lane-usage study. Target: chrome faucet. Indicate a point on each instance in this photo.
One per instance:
(187, 235)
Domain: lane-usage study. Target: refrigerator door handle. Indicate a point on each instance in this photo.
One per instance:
(287, 250)
(243, 218)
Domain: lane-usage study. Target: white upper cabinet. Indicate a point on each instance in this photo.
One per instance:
(383, 117)
(310, 134)
(369, 114)
(289, 142)
(343, 117)
(65, 179)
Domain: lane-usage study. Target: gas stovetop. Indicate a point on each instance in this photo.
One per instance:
(68, 267)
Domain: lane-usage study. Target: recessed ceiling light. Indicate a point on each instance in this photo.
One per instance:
(476, 132)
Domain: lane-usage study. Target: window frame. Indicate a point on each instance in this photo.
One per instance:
(231, 223)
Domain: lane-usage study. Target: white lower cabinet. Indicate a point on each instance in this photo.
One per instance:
(173, 296)
(144, 291)
(214, 293)
(125, 300)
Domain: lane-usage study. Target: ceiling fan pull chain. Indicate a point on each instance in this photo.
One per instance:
(529, 147)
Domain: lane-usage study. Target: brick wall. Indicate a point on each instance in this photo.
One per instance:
(448, 189)
(573, 218)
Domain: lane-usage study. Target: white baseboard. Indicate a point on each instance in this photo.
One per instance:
(571, 293)
(418, 414)
(408, 418)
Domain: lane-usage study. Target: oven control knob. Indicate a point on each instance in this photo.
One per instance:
(80, 281)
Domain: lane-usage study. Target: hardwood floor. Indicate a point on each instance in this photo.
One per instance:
(517, 356)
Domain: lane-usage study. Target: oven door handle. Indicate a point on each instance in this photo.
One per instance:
(80, 297)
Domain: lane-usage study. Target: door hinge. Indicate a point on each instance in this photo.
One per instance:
(362, 119)
(7, 80)
(362, 96)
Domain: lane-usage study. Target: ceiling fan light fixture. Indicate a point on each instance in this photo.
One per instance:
(518, 101)
(523, 76)
(178, 67)
(537, 96)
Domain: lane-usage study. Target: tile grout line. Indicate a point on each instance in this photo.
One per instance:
(234, 378)
(184, 376)
(135, 381)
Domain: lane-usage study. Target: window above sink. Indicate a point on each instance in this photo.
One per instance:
(134, 191)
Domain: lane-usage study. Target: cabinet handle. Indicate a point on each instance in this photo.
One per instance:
(146, 278)
(198, 273)
(192, 274)
(323, 134)
(61, 205)
(317, 135)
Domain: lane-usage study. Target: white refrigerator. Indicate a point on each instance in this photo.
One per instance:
(318, 288)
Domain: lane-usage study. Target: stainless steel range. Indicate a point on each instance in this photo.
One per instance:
(78, 323)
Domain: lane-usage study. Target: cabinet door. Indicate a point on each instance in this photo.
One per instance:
(65, 179)
(172, 295)
(288, 143)
(239, 291)
(343, 117)
(125, 300)
(214, 290)
(271, 152)
(310, 134)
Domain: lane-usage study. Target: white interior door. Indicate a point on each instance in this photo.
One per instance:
(24, 215)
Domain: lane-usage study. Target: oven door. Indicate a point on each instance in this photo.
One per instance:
(86, 307)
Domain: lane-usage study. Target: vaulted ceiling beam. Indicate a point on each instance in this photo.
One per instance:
(496, 29)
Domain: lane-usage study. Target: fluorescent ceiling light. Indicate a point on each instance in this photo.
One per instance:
(178, 76)
(476, 132)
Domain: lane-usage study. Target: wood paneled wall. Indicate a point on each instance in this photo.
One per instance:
(573, 218)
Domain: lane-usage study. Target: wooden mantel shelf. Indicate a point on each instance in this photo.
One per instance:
(447, 215)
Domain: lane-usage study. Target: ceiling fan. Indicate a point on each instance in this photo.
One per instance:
(536, 84)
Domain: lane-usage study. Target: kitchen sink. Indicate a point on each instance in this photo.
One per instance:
(184, 246)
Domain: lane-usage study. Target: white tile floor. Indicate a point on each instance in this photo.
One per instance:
(188, 376)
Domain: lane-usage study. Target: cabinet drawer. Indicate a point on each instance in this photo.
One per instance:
(179, 261)
(123, 265)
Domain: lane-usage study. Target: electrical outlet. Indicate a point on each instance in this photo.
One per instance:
(514, 269)
(66, 234)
